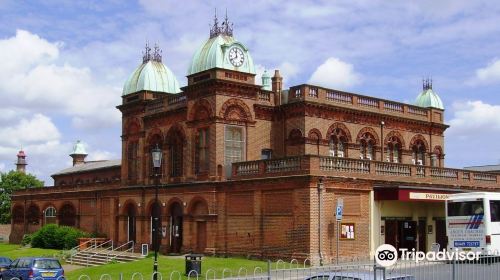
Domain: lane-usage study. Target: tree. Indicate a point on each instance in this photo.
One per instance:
(8, 184)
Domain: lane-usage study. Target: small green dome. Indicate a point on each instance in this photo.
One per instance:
(152, 75)
(78, 149)
(428, 98)
(266, 81)
(214, 53)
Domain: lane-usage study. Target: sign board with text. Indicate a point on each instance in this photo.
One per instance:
(339, 211)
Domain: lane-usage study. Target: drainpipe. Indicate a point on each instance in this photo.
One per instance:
(320, 198)
(382, 123)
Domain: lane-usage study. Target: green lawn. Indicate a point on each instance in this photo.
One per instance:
(166, 265)
(15, 251)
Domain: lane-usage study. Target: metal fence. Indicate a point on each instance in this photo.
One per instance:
(483, 269)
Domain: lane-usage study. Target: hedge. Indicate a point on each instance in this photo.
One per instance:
(53, 236)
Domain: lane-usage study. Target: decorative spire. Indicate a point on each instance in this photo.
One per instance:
(427, 84)
(147, 55)
(225, 29)
(157, 53)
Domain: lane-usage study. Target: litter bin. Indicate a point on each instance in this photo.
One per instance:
(193, 263)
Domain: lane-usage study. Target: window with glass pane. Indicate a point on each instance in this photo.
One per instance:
(495, 210)
(394, 150)
(419, 153)
(367, 146)
(234, 145)
(337, 143)
(132, 160)
(202, 151)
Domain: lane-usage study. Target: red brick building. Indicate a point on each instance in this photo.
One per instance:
(257, 170)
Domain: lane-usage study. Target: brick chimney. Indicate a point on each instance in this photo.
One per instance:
(277, 86)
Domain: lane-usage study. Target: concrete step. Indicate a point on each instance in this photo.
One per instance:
(86, 262)
(109, 257)
(100, 257)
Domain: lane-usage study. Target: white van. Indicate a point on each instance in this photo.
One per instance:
(473, 222)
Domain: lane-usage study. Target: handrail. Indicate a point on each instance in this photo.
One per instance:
(84, 250)
(76, 247)
(123, 252)
(100, 246)
(125, 244)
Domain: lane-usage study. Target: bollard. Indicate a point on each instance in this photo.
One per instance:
(269, 269)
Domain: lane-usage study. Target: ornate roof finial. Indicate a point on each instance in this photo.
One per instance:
(427, 84)
(157, 53)
(226, 27)
(146, 54)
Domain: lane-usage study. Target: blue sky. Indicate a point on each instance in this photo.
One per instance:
(63, 63)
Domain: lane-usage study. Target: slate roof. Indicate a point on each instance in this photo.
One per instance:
(90, 166)
(485, 168)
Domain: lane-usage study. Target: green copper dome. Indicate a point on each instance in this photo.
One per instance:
(214, 53)
(266, 81)
(428, 98)
(78, 149)
(221, 50)
(152, 75)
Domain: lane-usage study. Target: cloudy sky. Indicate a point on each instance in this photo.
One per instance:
(63, 63)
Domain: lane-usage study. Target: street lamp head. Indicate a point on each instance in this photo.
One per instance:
(156, 156)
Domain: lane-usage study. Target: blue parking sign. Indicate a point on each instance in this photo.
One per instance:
(339, 212)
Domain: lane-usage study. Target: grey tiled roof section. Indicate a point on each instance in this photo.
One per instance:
(89, 166)
(487, 168)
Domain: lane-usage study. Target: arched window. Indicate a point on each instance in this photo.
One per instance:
(67, 215)
(50, 215)
(437, 157)
(394, 150)
(338, 143)
(367, 144)
(133, 164)
(33, 216)
(175, 139)
(418, 151)
(295, 136)
(202, 160)
(234, 146)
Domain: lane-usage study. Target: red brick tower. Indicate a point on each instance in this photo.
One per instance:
(21, 162)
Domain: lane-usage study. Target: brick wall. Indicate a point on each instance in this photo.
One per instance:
(4, 232)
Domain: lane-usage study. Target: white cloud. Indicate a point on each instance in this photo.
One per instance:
(335, 73)
(38, 129)
(20, 53)
(101, 155)
(471, 138)
(487, 75)
(473, 116)
(33, 77)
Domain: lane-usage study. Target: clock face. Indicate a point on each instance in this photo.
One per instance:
(236, 56)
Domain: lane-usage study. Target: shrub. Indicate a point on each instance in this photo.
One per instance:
(53, 236)
(26, 239)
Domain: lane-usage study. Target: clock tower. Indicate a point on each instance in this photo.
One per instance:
(222, 57)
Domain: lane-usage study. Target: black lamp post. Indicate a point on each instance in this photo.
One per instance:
(156, 155)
